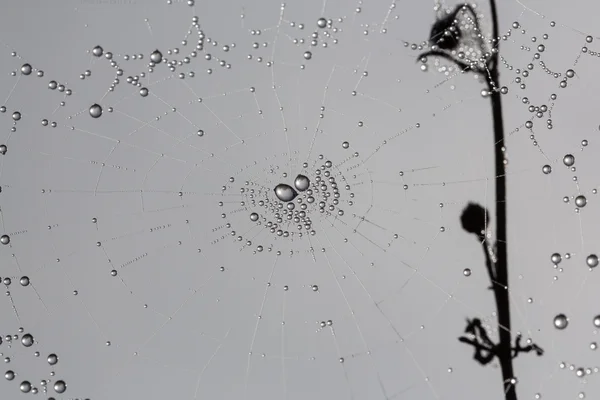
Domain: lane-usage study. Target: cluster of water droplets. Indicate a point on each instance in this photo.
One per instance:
(47, 384)
(172, 60)
(292, 211)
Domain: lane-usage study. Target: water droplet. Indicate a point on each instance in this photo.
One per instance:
(25, 387)
(95, 111)
(556, 258)
(467, 272)
(97, 51)
(345, 145)
(580, 201)
(9, 375)
(27, 340)
(52, 359)
(301, 182)
(561, 321)
(26, 69)
(254, 217)
(60, 386)
(569, 160)
(592, 260)
(285, 192)
(144, 92)
(4, 239)
(156, 57)
(307, 55)
(321, 23)
(24, 281)
(546, 169)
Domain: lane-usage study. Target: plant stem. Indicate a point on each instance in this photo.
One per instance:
(501, 292)
(500, 284)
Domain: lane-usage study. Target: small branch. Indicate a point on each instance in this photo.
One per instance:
(486, 350)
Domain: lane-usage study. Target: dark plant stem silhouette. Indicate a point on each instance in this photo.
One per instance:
(474, 220)
(445, 37)
(500, 283)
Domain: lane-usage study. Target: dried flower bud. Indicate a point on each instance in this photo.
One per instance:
(445, 33)
(474, 219)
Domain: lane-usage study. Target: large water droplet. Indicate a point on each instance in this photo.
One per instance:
(27, 340)
(302, 182)
(592, 260)
(580, 201)
(60, 386)
(561, 321)
(569, 160)
(25, 387)
(285, 192)
(52, 359)
(597, 321)
(156, 57)
(95, 111)
(26, 69)
(4, 239)
(97, 51)
(321, 23)
(556, 258)
(254, 217)
(9, 375)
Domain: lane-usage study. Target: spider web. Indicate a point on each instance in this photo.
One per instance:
(149, 251)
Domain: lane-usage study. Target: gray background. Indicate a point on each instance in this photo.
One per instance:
(397, 305)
